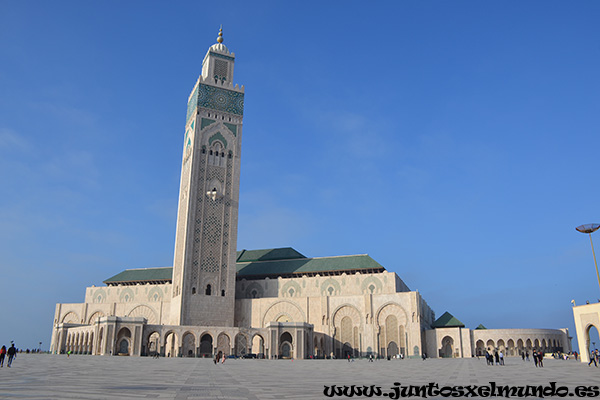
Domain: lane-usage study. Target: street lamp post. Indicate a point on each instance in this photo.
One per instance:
(589, 229)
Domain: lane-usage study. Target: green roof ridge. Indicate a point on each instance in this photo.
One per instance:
(480, 327)
(448, 320)
(281, 253)
(142, 275)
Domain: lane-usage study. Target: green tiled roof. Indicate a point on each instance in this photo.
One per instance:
(263, 263)
(142, 275)
(284, 253)
(306, 266)
(480, 327)
(448, 320)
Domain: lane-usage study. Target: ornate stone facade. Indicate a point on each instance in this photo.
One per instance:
(268, 303)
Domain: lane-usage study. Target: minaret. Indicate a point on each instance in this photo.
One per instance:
(206, 238)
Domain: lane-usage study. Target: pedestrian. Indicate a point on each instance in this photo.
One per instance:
(497, 357)
(12, 352)
(218, 357)
(2, 355)
(523, 356)
(527, 355)
(593, 355)
(535, 359)
(370, 357)
(501, 355)
(540, 359)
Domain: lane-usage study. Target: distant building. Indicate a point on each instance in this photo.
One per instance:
(273, 303)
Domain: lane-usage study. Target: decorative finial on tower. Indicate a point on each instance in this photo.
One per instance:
(220, 38)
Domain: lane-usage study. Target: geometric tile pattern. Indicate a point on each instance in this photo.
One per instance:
(219, 99)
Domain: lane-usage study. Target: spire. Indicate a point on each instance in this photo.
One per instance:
(220, 38)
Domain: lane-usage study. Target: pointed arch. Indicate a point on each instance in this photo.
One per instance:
(71, 318)
(280, 308)
(144, 311)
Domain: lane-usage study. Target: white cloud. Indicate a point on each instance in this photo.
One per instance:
(12, 141)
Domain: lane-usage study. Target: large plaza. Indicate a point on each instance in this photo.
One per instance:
(84, 377)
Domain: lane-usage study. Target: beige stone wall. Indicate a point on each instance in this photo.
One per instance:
(363, 311)
(449, 342)
(147, 301)
(344, 284)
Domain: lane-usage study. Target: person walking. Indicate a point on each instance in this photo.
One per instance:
(2, 355)
(501, 355)
(11, 354)
(535, 359)
(593, 357)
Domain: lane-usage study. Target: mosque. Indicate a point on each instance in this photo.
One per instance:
(269, 303)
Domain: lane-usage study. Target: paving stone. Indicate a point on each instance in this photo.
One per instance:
(41, 376)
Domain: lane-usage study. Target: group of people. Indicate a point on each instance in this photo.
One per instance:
(220, 357)
(498, 357)
(11, 352)
(538, 357)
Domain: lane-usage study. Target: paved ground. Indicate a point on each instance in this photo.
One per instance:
(97, 377)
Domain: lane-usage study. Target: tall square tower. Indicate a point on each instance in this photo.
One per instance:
(206, 238)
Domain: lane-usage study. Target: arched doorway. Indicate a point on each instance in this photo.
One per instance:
(447, 346)
(592, 340)
(206, 345)
(347, 350)
(171, 345)
(99, 349)
(286, 345)
(510, 347)
(188, 342)
(392, 349)
(480, 348)
(501, 346)
(153, 344)
(240, 345)
(124, 342)
(258, 346)
(223, 344)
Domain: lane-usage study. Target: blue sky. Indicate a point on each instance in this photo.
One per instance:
(454, 142)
